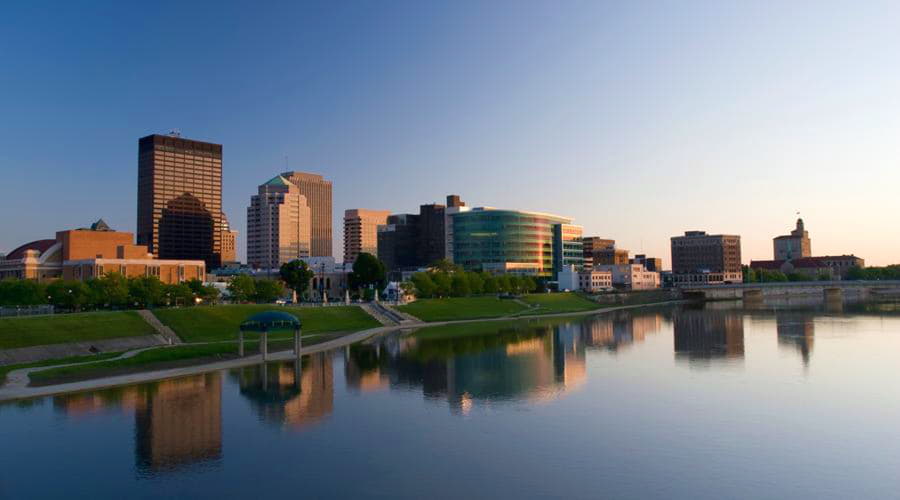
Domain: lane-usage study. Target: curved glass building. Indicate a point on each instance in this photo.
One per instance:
(512, 241)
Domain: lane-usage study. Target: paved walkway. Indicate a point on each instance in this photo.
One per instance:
(16, 387)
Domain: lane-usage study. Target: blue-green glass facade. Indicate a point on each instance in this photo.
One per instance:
(514, 242)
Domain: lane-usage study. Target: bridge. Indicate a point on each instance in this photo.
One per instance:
(830, 290)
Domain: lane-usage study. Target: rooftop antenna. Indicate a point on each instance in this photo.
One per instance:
(285, 162)
(174, 132)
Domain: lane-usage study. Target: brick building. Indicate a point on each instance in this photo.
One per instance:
(700, 258)
(81, 254)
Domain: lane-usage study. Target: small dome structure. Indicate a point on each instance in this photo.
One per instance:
(270, 320)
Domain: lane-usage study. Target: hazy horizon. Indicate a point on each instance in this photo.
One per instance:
(639, 121)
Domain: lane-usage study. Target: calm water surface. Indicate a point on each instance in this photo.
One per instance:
(714, 402)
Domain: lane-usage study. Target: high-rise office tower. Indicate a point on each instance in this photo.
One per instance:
(278, 225)
(229, 242)
(361, 231)
(317, 191)
(179, 210)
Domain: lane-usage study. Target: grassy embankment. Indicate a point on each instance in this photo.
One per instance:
(457, 308)
(62, 328)
(451, 309)
(5, 370)
(218, 325)
(160, 358)
(552, 303)
(208, 324)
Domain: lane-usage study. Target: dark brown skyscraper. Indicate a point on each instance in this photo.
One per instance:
(179, 212)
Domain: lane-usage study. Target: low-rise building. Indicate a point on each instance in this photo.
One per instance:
(516, 242)
(706, 259)
(631, 276)
(595, 280)
(81, 254)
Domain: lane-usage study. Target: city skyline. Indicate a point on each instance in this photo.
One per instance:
(706, 117)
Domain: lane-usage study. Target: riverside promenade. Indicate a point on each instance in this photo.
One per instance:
(17, 384)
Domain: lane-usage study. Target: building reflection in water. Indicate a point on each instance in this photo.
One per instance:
(535, 361)
(178, 422)
(704, 334)
(617, 330)
(796, 329)
(291, 394)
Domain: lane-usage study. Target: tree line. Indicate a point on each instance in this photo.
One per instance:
(774, 276)
(891, 272)
(448, 280)
(110, 291)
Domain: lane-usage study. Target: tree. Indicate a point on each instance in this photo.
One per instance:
(766, 276)
(16, 292)
(529, 284)
(445, 266)
(856, 273)
(799, 276)
(145, 291)
(180, 294)
(408, 288)
(504, 284)
(443, 285)
(749, 274)
(367, 271)
(490, 284)
(242, 288)
(459, 285)
(196, 286)
(296, 274)
(476, 283)
(515, 284)
(68, 294)
(423, 284)
(109, 290)
(267, 291)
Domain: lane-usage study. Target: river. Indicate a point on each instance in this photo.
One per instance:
(773, 401)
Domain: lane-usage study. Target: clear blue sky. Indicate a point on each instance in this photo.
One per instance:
(640, 120)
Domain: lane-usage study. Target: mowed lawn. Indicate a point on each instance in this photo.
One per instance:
(455, 308)
(62, 328)
(200, 324)
(548, 303)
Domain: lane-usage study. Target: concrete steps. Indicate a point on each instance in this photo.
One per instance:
(168, 335)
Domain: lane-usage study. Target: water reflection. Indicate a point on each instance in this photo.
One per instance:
(492, 363)
(797, 330)
(177, 422)
(292, 394)
(620, 329)
(704, 334)
(171, 437)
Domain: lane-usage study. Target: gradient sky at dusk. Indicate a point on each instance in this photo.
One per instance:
(640, 120)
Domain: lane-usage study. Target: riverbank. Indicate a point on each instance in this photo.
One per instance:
(487, 307)
(17, 389)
